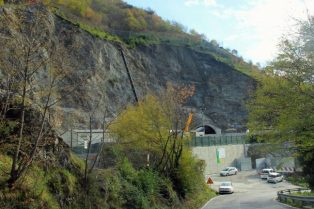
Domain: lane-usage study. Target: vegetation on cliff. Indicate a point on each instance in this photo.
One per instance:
(55, 178)
(117, 21)
(38, 169)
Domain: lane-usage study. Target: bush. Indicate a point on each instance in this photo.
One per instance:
(6, 128)
(5, 166)
(297, 180)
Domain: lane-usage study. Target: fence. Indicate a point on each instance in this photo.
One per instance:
(78, 139)
(214, 140)
(288, 196)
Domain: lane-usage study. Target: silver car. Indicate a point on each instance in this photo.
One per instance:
(274, 178)
(226, 187)
(229, 171)
(265, 172)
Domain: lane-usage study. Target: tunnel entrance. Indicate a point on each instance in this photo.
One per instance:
(206, 129)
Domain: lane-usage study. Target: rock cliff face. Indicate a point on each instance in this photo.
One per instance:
(105, 87)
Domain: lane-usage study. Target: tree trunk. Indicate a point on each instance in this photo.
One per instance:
(14, 172)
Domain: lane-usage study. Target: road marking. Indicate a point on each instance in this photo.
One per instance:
(210, 201)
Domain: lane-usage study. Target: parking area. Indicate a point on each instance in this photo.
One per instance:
(249, 192)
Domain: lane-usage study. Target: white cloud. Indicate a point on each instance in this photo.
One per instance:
(265, 22)
(232, 37)
(200, 2)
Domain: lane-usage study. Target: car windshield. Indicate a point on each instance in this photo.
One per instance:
(225, 169)
(274, 175)
(226, 184)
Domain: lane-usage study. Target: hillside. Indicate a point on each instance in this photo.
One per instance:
(96, 64)
(118, 21)
(136, 26)
(59, 72)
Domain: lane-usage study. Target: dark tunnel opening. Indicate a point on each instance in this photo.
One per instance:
(208, 129)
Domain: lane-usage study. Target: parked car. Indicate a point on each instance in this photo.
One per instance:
(264, 173)
(229, 171)
(274, 178)
(226, 187)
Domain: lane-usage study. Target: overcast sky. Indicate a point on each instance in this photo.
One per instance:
(253, 27)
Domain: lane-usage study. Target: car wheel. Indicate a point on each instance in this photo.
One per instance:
(235, 173)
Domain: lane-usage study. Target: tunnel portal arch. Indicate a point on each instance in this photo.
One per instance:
(207, 129)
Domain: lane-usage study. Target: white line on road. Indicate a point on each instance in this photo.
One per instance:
(210, 201)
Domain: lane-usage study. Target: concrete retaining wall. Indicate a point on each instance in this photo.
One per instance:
(218, 157)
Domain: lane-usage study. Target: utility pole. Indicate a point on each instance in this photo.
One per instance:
(134, 93)
(71, 138)
(88, 148)
(129, 75)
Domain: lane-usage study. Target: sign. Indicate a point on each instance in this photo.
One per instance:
(220, 154)
(209, 181)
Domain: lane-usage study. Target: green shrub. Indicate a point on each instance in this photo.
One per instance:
(111, 183)
(133, 196)
(5, 166)
(6, 128)
(126, 170)
(77, 162)
(148, 182)
(297, 180)
(192, 185)
(62, 182)
(144, 188)
(34, 182)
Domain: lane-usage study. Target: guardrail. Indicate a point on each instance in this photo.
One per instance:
(287, 196)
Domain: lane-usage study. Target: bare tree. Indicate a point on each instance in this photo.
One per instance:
(34, 63)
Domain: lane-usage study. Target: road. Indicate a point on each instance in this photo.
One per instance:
(250, 192)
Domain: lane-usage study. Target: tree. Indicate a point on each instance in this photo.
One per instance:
(33, 65)
(155, 126)
(283, 106)
(234, 52)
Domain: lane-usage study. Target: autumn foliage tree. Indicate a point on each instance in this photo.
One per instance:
(155, 126)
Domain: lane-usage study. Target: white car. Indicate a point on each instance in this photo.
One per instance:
(229, 171)
(226, 187)
(264, 173)
(274, 178)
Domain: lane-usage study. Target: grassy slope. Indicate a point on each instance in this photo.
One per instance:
(34, 190)
(117, 21)
(122, 187)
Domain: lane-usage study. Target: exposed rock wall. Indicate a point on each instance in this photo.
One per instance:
(102, 85)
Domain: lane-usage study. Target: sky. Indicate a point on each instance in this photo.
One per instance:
(253, 27)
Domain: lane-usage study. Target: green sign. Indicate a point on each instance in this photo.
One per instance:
(217, 156)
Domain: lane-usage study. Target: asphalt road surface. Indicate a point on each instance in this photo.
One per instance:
(250, 192)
